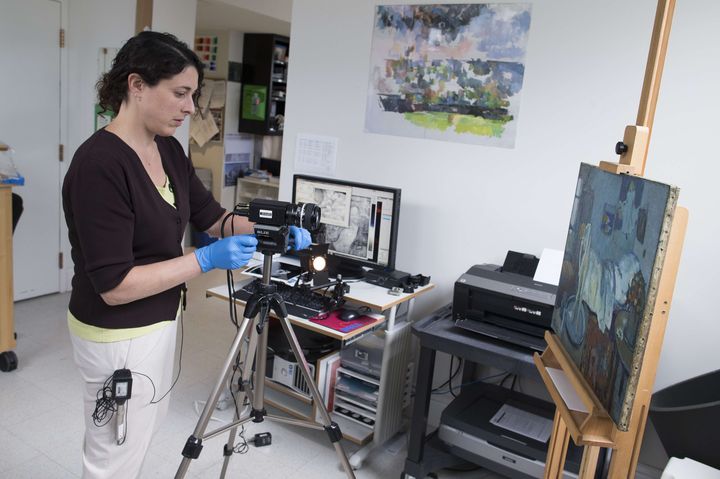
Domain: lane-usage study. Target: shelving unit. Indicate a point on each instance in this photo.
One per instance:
(356, 402)
(264, 79)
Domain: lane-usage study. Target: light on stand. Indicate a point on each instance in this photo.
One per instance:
(314, 261)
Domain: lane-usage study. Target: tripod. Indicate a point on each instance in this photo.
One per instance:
(259, 305)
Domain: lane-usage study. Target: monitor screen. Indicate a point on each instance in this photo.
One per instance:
(358, 221)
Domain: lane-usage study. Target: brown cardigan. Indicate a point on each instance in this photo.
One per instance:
(117, 219)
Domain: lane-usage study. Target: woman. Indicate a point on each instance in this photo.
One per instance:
(128, 196)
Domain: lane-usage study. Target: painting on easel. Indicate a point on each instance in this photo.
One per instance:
(616, 243)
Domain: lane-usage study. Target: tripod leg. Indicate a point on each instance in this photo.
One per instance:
(260, 368)
(193, 446)
(330, 427)
(247, 366)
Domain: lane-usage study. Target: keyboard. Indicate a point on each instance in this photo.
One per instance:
(298, 302)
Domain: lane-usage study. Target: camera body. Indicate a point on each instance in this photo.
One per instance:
(273, 218)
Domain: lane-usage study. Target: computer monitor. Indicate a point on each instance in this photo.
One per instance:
(358, 221)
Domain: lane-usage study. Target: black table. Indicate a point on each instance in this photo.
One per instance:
(437, 332)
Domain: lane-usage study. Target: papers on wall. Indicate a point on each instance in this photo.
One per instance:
(523, 422)
(202, 129)
(217, 97)
(316, 154)
(549, 266)
(203, 125)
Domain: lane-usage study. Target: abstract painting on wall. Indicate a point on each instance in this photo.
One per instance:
(614, 254)
(448, 72)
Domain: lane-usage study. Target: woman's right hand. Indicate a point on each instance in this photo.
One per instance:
(232, 252)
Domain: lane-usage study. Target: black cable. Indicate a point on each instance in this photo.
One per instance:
(228, 274)
(452, 375)
(481, 380)
(242, 446)
(177, 377)
(105, 405)
(502, 381)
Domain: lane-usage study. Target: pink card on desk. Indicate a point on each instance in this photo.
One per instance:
(332, 320)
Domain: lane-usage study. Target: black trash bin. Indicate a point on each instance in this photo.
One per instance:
(686, 417)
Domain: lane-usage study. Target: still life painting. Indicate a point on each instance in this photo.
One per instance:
(449, 72)
(615, 249)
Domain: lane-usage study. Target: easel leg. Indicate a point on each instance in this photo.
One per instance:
(557, 449)
(589, 462)
(624, 460)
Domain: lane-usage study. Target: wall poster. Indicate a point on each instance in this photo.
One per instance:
(448, 72)
(614, 254)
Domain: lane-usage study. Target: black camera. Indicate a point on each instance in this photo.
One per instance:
(272, 219)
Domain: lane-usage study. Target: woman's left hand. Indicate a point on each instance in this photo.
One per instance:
(299, 238)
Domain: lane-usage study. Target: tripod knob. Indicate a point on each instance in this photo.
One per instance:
(620, 148)
(267, 288)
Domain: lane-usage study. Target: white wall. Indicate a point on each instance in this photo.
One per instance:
(465, 204)
(177, 17)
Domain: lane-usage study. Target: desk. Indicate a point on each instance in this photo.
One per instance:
(437, 332)
(221, 292)
(397, 360)
(8, 359)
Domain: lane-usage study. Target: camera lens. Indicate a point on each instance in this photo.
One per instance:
(308, 216)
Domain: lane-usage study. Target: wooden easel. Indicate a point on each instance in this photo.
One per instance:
(595, 429)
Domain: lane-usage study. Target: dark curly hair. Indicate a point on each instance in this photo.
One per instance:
(152, 55)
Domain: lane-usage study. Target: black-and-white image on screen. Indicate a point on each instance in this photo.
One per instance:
(356, 221)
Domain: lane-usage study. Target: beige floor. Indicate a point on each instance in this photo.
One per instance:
(41, 420)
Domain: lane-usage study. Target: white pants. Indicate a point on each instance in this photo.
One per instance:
(151, 355)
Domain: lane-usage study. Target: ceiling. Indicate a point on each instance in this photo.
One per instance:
(247, 16)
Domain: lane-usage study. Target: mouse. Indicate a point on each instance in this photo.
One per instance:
(347, 314)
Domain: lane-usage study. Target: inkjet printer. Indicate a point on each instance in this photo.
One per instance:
(509, 306)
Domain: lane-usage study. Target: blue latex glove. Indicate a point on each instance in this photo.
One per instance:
(299, 238)
(228, 253)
